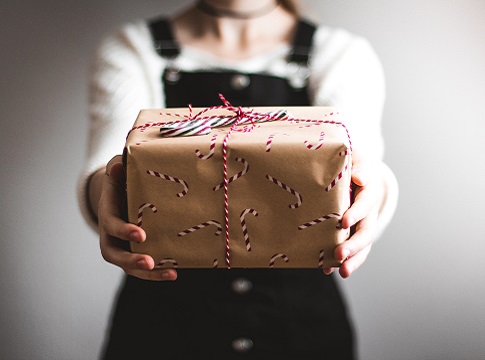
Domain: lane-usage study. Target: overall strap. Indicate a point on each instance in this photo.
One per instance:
(163, 39)
(302, 42)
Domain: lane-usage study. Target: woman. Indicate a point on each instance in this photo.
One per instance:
(255, 52)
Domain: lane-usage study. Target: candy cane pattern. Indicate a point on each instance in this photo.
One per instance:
(336, 180)
(340, 174)
(277, 256)
(211, 149)
(238, 175)
(319, 143)
(202, 225)
(172, 179)
(244, 227)
(140, 211)
(319, 220)
(270, 141)
(289, 189)
(320, 259)
(168, 261)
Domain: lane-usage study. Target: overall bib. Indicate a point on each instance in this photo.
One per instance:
(237, 313)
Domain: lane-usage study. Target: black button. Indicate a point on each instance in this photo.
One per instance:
(172, 75)
(241, 286)
(242, 345)
(240, 81)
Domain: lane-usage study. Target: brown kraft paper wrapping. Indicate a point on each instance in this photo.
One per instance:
(280, 212)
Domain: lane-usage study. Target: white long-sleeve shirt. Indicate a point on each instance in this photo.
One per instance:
(345, 73)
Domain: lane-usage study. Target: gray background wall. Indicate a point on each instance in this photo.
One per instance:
(420, 295)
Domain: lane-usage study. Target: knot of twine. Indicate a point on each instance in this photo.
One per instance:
(199, 124)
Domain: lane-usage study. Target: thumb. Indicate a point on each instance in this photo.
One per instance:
(117, 173)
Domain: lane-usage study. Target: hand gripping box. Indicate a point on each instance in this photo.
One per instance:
(287, 186)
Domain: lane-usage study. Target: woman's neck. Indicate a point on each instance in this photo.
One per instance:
(242, 10)
(235, 38)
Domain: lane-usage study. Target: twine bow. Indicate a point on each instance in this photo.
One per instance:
(199, 124)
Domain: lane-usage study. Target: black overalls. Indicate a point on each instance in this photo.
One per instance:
(237, 313)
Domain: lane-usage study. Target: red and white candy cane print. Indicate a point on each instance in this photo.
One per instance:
(211, 149)
(321, 258)
(201, 226)
(238, 175)
(168, 261)
(172, 179)
(318, 145)
(341, 173)
(278, 256)
(289, 189)
(269, 142)
(244, 227)
(321, 219)
(140, 211)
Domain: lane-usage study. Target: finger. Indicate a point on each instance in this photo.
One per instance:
(115, 252)
(354, 262)
(114, 160)
(117, 174)
(366, 199)
(118, 228)
(156, 274)
(363, 236)
(362, 170)
(139, 265)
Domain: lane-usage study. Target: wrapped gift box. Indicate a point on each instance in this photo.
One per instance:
(288, 185)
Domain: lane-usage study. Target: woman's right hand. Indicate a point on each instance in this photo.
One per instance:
(115, 233)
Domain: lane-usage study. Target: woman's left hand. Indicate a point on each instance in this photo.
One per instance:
(369, 193)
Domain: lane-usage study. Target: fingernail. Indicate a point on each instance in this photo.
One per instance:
(167, 276)
(345, 253)
(135, 236)
(141, 263)
(350, 270)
